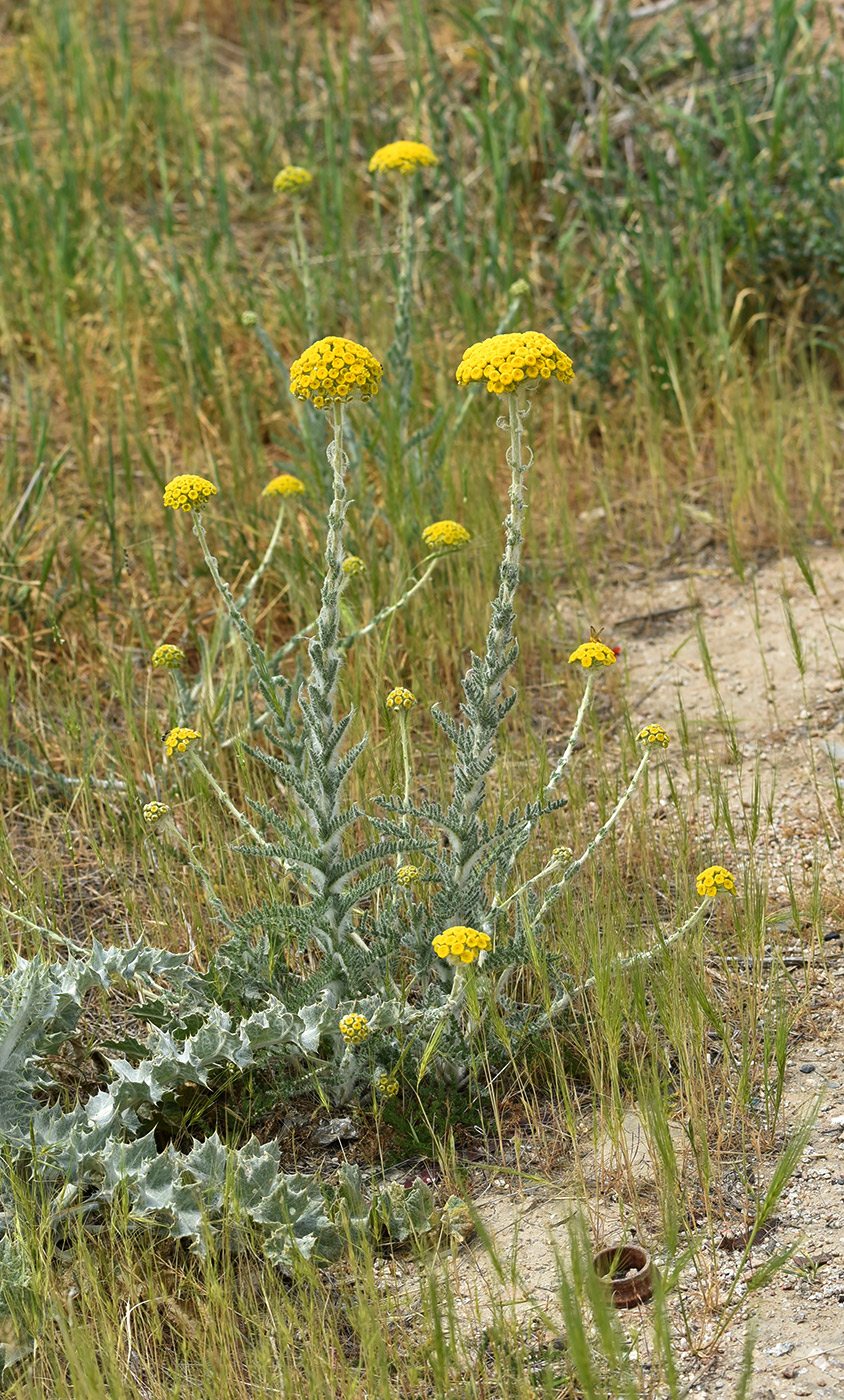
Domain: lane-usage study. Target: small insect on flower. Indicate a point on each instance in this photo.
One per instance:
(292, 179)
(408, 874)
(387, 1085)
(188, 492)
(518, 359)
(353, 565)
(335, 370)
(713, 879)
(168, 656)
(400, 699)
(179, 740)
(354, 1029)
(284, 485)
(654, 734)
(445, 535)
(155, 812)
(460, 944)
(403, 156)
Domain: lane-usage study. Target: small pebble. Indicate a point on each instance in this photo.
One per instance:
(828, 937)
(807, 1069)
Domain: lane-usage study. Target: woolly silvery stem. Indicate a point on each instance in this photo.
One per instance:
(484, 681)
(244, 631)
(575, 733)
(620, 964)
(265, 562)
(400, 348)
(599, 837)
(305, 272)
(403, 719)
(242, 821)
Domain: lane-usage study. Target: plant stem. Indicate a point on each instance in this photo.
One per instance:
(305, 273)
(256, 655)
(599, 837)
(575, 733)
(242, 821)
(265, 562)
(619, 964)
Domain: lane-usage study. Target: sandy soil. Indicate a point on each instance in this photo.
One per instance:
(700, 638)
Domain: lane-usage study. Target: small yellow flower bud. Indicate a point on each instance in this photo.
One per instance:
(354, 1029)
(654, 734)
(403, 156)
(284, 485)
(400, 699)
(179, 740)
(713, 879)
(168, 656)
(188, 492)
(155, 812)
(408, 874)
(445, 534)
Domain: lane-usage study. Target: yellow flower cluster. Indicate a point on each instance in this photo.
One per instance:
(506, 361)
(179, 740)
(188, 492)
(460, 944)
(593, 653)
(167, 655)
(404, 156)
(654, 734)
(292, 179)
(335, 370)
(400, 699)
(445, 534)
(354, 1029)
(408, 874)
(353, 565)
(388, 1086)
(713, 878)
(155, 812)
(284, 485)
(562, 853)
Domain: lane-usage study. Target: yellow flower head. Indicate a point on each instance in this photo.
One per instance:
(713, 879)
(179, 740)
(508, 361)
(353, 565)
(388, 1086)
(408, 874)
(354, 1029)
(284, 485)
(400, 699)
(445, 534)
(563, 854)
(593, 653)
(404, 156)
(169, 656)
(155, 812)
(460, 945)
(654, 734)
(292, 179)
(335, 370)
(188, 492)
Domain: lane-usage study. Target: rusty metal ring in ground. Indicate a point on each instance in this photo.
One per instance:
(628, 1272)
